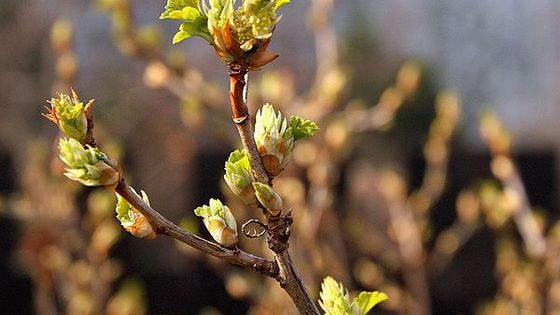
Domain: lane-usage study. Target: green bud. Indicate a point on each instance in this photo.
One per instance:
(274, 139)
(219, 221)
(335, 299)
(70, 115)
(132, 220)
(238, 177)
(89, 166)
(269, 198)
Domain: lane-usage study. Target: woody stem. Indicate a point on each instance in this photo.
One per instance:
(288, 277)
(238, 79)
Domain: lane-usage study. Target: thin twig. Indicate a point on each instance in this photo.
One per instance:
(164, 226)
(238, 78)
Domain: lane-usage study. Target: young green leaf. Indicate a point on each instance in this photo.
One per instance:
(280, 3)
(302, 128)
(187, 13)
(176, 8)
(367, 300)
(192, 28)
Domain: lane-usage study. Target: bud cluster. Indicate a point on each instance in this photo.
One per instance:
(219, 221)
(275, 138)
(132, 220)
(89, 165)
(239, 34)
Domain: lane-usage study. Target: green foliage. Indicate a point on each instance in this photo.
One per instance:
(176, 9)
(335, 299)
(189, 29)
(195, 19)
(275, 137)
(280, 3)
(367, 300)
(302, 128)
(214, 209)
(252, 21)
(123, 208)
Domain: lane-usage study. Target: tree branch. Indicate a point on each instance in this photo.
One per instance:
(288, 277)
(164, 226)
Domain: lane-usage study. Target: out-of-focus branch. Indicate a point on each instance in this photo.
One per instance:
(409, 241)
(499, 142)
(436, 152)
(450, 241)
(380, 116)
(326, 46)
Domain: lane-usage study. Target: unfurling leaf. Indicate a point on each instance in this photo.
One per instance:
(302, 128)
(367, 300)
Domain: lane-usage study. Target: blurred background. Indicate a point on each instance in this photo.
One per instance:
(433, 177)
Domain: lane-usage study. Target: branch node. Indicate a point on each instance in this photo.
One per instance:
(279, 232)
(240, 120)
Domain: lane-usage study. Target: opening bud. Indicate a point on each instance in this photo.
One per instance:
(269, 198)
(89, 165)
(239, 34)
(132, 220)
(274, 139)
(70, 115)
(220, 222)
(238, 177)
